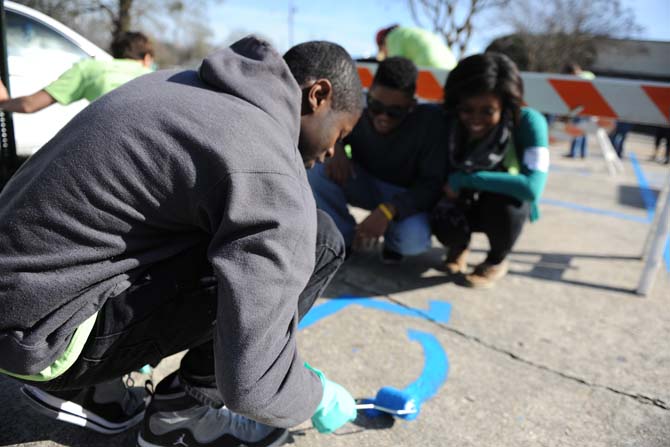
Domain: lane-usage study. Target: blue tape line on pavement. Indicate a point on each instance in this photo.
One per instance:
(647, 195)
(666, 254)
(588, 209)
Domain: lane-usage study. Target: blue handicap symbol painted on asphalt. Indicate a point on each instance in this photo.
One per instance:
(438, 311)
(436, 363)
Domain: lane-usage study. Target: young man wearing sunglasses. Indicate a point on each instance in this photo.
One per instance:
(395, 170)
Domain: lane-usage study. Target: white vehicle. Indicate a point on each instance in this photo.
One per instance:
(39, 49)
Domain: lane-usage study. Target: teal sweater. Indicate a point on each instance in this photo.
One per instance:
(527, 165)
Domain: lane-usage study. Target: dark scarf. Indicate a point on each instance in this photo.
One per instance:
(485, 155)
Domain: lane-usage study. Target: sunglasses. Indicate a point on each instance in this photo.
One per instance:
(394, 112)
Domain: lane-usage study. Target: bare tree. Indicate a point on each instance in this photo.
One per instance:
(116, 15)
(550, 33)
(180, 28)
(572, 17)
(117, 12)
(452, 19)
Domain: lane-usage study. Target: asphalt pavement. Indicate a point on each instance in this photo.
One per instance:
(560, 353)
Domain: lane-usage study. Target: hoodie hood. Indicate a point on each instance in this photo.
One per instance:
(246, 69)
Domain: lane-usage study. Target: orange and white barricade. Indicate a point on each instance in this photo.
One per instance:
(604, 100)
(633, 101)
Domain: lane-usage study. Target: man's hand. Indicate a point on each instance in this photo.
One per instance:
(339, 168)
(450, 193)
(4, 94)
(373, 227)
(24, 104)
(337, 407)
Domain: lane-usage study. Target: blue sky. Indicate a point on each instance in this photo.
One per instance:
(353, 23)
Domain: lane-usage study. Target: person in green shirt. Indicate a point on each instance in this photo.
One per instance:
(420, 46)
(579, 143)
(89, 78)
(498, 160)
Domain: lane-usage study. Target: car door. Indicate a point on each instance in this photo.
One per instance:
(37, 55)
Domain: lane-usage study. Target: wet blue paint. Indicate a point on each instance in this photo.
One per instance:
(436, 364)
(435, 369)
(602, 212)
(438, 311)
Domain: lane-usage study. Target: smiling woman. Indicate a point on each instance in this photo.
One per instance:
(498, 159)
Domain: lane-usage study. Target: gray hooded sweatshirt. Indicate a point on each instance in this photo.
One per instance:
(159, 165)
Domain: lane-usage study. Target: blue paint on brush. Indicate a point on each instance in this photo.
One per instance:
(436, 364)
(434, 374)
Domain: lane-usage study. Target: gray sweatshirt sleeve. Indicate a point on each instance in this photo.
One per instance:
(262, 251)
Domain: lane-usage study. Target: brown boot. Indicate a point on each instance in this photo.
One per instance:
(485, 275)
(457, 261)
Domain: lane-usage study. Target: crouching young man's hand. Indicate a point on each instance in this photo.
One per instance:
(337, 407)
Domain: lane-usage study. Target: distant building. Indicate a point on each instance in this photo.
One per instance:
(633, 59)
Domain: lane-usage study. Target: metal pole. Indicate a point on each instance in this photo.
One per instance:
(614, 165)
(8, 157)
(654, 256)
(657, 214)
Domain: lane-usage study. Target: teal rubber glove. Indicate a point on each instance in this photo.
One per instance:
(337, 407)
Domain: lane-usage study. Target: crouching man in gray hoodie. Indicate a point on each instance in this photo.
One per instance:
(174, 213)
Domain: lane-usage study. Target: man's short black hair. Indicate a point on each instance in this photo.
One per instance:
(571, 68)
(314, 60)
(398, 73)
(131, 45)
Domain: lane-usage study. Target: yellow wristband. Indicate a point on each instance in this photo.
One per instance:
(386, 211)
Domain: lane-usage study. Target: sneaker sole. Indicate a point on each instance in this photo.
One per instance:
(281, 439)
(473, 285)
(482, 285)
(73, 413)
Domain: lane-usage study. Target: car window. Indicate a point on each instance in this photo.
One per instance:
(27, 37)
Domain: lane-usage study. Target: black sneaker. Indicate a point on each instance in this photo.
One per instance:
(391, 257)
(109, 408)
(176, 419)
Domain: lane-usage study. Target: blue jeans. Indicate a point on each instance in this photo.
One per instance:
(578, 145)
(619, 135)
(409, 236)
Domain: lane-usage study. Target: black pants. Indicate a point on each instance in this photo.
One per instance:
(499, 216)
(173, 308)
